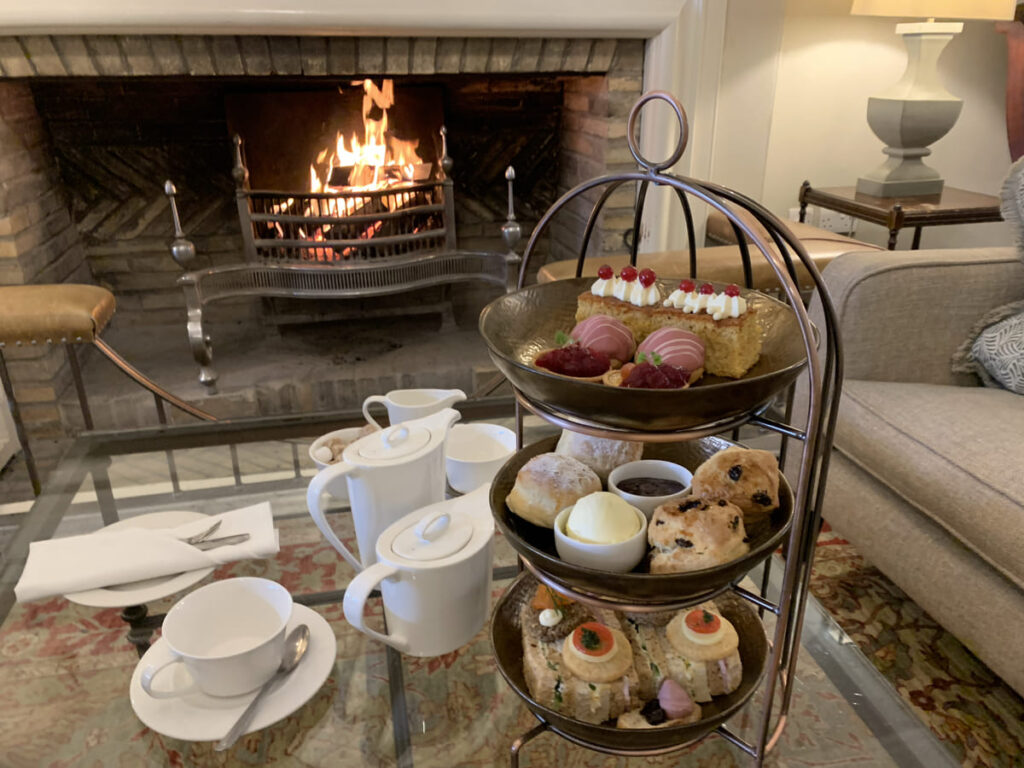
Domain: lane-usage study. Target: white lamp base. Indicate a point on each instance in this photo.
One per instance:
(915, 112)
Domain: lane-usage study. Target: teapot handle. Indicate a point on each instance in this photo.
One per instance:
(314, 496)
(382, 399)
(356, 595)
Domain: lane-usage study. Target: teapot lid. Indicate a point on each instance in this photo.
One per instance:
(402, 442)
(391, 444)
(433, 536)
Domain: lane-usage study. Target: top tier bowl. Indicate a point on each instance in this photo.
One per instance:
(519, 325)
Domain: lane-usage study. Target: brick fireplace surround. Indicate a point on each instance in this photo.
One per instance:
(48, 235)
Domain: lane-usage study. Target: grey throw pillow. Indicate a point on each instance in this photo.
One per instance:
(1000, 350)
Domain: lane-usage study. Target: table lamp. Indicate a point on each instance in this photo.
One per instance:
(918, 110)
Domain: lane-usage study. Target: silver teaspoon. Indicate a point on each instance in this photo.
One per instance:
(295, 646)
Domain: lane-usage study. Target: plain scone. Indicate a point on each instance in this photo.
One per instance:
(600, 454)
(549, 483)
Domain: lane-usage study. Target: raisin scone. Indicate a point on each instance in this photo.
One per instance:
(746, 477)
(692, 534)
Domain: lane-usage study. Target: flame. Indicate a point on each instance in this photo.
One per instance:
(378, 160)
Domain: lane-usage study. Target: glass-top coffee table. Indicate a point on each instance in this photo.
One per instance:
(65, 668)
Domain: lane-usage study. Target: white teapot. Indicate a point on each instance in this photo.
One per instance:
(388, 473)
(434, 571)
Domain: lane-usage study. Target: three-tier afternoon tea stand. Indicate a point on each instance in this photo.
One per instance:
(718, 407)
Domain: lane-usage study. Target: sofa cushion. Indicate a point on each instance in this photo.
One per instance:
(954, 453)
(1000, 349)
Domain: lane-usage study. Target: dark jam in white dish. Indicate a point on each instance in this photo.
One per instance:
(650, 486)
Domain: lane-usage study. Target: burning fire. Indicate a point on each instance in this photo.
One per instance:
(379, 161)
(376, 162)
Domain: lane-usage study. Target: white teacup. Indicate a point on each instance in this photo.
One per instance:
(475, 452)
(229, 635)
(409, 404)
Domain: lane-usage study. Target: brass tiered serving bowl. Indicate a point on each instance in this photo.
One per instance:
(520, 325)
(536, 545)
(507, 641)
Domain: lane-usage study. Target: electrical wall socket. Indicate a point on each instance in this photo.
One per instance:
(835, 222)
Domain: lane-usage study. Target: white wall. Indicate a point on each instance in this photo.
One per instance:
(746, 95)
(817, 74)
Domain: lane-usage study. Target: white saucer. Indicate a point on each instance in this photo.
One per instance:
(198, 717)
(141, 592)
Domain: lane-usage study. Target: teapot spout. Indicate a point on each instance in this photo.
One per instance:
(476, 505)
(453, 396)
(439, 422)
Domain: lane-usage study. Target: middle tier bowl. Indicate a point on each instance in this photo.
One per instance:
(536, 545)
(520, 325)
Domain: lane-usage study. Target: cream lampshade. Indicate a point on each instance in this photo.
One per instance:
(918, 110)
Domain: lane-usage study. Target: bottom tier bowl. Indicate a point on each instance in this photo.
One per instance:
(507, 642)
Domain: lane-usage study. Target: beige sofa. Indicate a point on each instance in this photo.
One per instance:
(927, 472)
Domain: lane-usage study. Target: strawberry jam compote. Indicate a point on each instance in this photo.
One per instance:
(574, 360)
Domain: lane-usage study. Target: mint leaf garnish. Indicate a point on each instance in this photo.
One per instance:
(562, 339)
(656, 358)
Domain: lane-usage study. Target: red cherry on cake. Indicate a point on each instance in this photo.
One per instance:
(687, 286)
(628, 274)
(707, 289)
(732, 290)
(647, 277)
(605, 272)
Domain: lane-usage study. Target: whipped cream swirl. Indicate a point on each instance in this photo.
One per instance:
(602, 287)
(722, 305)
(718, 305)
(632, 292)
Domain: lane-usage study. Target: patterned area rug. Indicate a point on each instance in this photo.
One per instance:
(977, 716)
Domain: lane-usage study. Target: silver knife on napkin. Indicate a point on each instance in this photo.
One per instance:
(223, 541)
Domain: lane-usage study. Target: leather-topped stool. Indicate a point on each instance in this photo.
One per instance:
(68, 314)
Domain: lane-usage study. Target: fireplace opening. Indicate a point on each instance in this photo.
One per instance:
(350, 174)
(116, 139)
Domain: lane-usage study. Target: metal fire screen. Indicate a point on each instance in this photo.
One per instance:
(344, 244)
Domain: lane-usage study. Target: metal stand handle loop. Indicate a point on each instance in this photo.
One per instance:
(684, 131)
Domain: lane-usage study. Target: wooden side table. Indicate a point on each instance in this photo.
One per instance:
(953, 206)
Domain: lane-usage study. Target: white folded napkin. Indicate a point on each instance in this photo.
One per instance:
(105, 558)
